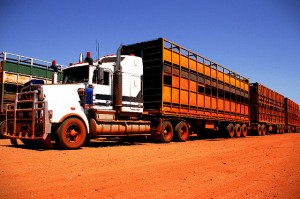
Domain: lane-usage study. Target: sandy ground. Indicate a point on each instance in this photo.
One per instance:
(252, 167)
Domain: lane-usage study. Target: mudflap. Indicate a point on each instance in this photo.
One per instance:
(47, 143)
(14, 141)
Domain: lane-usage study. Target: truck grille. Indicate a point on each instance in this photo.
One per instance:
(27, 117)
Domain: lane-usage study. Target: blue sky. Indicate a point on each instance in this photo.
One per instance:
(259, 39)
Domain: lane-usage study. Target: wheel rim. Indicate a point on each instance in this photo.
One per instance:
(73, 133)
(167, 133)
(184, 132)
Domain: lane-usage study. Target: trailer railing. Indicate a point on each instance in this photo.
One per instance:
(29, 61)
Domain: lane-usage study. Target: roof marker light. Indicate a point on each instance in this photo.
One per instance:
(88, 54)
(88, 58)
(53, 63)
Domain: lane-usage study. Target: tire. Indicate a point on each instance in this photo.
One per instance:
(2, 129)
(166, 133)
(181, 131)
(237, 130)
(289, 129)
(244, 130)
(230, 130)
(277, 129)
(259, 130)
(263, 129)
(71, 134)
(282, 129)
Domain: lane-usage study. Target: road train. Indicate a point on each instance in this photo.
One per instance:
(154, 88)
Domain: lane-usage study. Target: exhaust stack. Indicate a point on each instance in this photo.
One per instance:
(117, 86)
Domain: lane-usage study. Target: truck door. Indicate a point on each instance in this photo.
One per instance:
(103, 90)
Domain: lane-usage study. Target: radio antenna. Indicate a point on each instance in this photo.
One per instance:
(97, 48)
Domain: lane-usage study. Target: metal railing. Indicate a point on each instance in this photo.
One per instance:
(14, 58)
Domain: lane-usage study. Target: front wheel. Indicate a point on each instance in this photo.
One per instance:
(71, 133)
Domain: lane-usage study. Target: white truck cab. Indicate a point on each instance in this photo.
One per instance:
(95, 98)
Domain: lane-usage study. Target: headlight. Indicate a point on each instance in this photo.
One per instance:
(50, 113)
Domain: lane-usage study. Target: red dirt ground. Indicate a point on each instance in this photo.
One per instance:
(252, 167)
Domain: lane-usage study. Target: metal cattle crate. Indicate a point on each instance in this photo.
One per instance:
(266, 108)
(181, 83)
(292, 115)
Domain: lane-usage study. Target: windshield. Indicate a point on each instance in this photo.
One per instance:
(76, 75)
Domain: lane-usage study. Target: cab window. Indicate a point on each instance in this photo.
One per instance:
(98, 80)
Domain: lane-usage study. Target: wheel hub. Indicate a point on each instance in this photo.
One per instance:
(73, 133)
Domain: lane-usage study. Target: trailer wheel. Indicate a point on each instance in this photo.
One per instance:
(278, 129)
(263, 129)
(2, 129)
(237, 129)
(71, 134)
(282, 129)
(270, 129)
(181, 131)
(230, 130)
(244, 130)
(289, 129)
(166, 133)
(259, 130)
